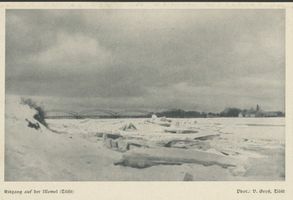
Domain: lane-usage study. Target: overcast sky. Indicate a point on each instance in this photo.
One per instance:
(202, 60)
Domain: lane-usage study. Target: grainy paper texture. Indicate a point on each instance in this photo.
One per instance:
(132, 37)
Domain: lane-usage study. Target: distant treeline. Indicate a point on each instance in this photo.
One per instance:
(228, 112)
(178, 113)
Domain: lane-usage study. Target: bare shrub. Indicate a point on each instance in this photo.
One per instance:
(40, 115)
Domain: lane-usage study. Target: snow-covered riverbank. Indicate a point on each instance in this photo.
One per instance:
(142, 149)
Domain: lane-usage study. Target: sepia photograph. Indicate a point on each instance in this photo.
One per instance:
(145, 95)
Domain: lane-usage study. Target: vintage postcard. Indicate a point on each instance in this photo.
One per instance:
(134, 100)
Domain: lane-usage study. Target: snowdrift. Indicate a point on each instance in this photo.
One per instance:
(42, 155)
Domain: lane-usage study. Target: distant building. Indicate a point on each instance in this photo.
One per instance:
(251, 112)
(247, 114)
(258, 112)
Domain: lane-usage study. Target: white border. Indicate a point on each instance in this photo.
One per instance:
(156, 190)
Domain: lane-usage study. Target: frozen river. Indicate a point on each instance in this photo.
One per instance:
(154, 149)
(257, 142)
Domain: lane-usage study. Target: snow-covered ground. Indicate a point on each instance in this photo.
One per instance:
(142, 149)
